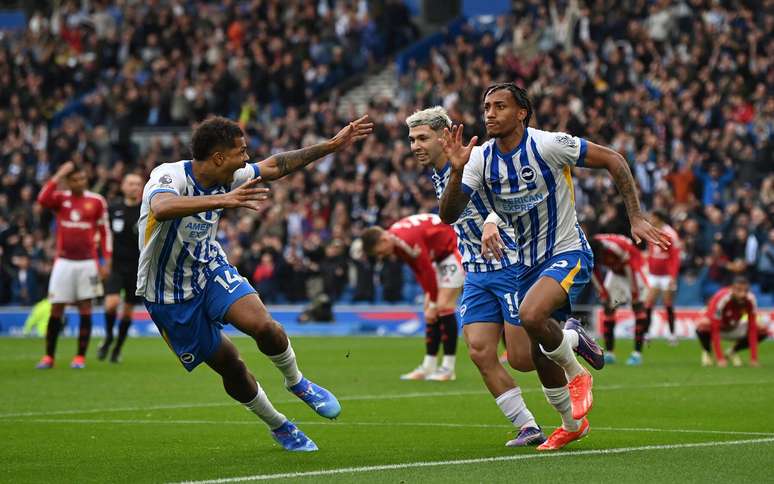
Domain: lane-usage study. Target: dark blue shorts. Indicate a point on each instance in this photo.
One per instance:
(192, 328)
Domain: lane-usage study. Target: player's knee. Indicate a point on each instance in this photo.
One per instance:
(521, 362)
(262, 328)
(446, 309)
(481, 354)
(532, 316)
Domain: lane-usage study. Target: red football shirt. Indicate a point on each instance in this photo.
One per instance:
(725, 313)
(78, 219)
(620, 255)
(665, 262)
(421, 240)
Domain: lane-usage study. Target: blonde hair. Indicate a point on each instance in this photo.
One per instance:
(436, 117)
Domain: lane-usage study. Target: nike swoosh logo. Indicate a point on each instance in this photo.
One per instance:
(234, 288)
(318, 405)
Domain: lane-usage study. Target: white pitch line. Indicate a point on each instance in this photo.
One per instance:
(370, 424)
(397, 396)
(547, 455)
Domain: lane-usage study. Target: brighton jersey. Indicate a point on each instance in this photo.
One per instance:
(177, 256)
(531, 189)
(469, 228)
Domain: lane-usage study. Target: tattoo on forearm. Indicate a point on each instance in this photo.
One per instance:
(622, 177)
(453, 202)
(290, 161)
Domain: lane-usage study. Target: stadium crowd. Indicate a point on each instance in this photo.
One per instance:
(682, 89)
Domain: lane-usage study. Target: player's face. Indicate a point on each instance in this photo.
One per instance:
(739, 291)
(384, 247)
(131, 187)
(234, 158)
(77, 181)
(425, 144)
(502, 116)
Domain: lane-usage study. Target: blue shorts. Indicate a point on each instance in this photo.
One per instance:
(192, 328)
(491, 297)
(570, 269)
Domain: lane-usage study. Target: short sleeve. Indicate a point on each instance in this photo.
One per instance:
(243, 175)
(561, 149)
(473, 174)
(165, 178)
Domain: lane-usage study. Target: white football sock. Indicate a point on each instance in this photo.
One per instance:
(430, 363)
(559, 398)
(449, 361)
(515, 409)
(564, 357)
(573, 338)
(286, 363)
(262, 407)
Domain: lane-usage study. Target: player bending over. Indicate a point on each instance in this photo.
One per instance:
(731, 314)
(124, 217)
(624, 283)
(189, 287)
(663, 270)
(75, 277)
(527, 176)
(429, 247)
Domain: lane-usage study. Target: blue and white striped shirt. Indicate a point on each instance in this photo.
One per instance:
(531, 189)
(177, 256)
(469, 228)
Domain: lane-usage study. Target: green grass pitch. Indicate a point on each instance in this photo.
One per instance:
(147, 420)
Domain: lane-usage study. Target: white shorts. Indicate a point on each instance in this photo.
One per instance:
(74, 280)
(740, 331)
(449, 272)
(620, 291)
(662, 283)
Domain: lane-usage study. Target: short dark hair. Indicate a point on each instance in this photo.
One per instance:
(77, 168)
(741, 280)
(518, 93)
(214, 134)
(370, 238)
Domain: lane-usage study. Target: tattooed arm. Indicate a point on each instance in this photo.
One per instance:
(281, 164)
(453, 200)
(602, 157)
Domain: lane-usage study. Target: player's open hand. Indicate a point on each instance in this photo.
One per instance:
(455, 151)
(247, 195)
(642, 229)
(491, 242)
(354, 131)
(65, 169)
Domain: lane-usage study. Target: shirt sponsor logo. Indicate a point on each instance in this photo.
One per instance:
(520, 205)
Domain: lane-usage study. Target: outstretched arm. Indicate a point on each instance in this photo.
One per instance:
(282, 164)
(601, 157)
(167, 206)
(454, 199)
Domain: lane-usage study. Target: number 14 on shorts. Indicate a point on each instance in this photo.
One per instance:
(230, 279)
(512, 300)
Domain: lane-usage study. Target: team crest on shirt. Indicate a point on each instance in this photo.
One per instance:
(527, 174)
(165, 180)
(565, 139)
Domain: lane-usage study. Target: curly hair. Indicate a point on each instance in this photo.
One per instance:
(216, 133)
(518, 93)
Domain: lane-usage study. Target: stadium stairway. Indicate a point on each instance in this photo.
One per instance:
(374, 86)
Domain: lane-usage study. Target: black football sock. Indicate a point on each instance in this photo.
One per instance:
(671, 319)
(52, 334)
(743, 343)
(609, 327)
(432, 338)
(704, 339)
(84, 333)
(110, 321)
(649, 315)
(448, 324)
(123, 330)
(640, 329)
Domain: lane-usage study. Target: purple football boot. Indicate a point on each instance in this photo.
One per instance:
(588, 349)
(528, 436)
